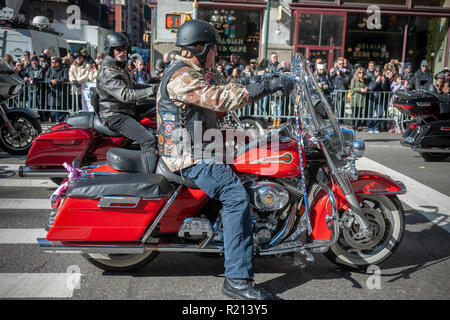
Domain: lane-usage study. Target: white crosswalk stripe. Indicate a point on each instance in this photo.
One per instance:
(36, 183)
(25, 204)
(21, 236)
(38, 285)
(9, 167)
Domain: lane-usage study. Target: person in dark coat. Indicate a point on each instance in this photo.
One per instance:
(55, 77)
(139, 74)
(273, 64)
(408, 75)
(234, 63)
(378, 83)
(340, 77)
(158, 71)
(324, 81)
(34, 77)
(423, 78)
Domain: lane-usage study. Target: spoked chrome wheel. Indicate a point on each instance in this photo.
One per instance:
(18, 143)
(121, 262)
(386, 219)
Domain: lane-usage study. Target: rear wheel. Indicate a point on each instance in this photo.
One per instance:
(121, 262)
(386, 218)
(434, 156)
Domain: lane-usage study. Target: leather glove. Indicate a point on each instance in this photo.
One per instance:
(267, 86)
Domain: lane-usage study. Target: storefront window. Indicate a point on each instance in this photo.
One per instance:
(320, 29)
(391, 2)
(429, 3)
(427, 41)
(238, 29)
(364, 44)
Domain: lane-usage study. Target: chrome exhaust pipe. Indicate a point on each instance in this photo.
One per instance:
(59, 247)
(25, 171)
(119, 248)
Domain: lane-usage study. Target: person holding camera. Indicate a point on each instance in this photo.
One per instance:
(379, 83)
(423, 77)
(340, 78)
(324, 81)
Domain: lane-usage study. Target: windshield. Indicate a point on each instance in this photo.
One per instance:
(315, 112)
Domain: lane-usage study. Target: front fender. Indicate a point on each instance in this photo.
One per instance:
(24, 111)
(371, 182)
(368, 182)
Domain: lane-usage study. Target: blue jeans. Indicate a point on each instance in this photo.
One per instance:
(219, 182)
(262, 106)
(375, 106)
(277, 102)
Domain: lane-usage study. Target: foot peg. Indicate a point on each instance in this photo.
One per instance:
(300, 257)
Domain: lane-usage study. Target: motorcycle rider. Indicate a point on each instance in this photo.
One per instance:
(186, 100)
(118, 93)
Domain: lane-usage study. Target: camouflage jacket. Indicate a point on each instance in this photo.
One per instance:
(188, 87)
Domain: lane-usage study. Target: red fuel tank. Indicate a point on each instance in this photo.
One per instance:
(276, 159)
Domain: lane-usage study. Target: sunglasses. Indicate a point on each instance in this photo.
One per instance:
(121, 48)
(361, 72)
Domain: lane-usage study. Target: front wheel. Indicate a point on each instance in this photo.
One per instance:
(386, 218)
(27, 128)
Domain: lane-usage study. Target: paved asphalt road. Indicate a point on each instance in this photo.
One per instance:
(420, 269)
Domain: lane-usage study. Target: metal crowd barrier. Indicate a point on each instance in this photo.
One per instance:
(43, 98)
(370, 106)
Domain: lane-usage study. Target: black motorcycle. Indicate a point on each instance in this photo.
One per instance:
(18, 127)
(429, 130)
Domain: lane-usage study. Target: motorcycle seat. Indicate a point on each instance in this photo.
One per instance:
(85, 120)
(162, 169)
(133, 161)
(151, 186)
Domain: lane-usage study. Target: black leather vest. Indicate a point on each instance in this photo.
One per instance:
(172, 120)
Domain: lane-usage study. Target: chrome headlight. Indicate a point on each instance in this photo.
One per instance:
(348, 135)
(268, 196)
(358, 147)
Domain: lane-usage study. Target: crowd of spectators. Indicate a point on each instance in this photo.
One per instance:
(367, 88)
(46, 76)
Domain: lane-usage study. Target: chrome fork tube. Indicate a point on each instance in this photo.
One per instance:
(6, 120)
(350, 196)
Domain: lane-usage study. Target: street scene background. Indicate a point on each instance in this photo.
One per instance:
(404, 46)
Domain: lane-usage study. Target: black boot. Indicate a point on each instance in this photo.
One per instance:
(244, 289)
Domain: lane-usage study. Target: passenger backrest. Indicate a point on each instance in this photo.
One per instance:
(94, 99)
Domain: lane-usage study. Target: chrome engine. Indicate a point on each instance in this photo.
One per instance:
(269, 206)
(273, 209)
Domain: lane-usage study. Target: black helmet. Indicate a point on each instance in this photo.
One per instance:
(195, 32)
(114, 40)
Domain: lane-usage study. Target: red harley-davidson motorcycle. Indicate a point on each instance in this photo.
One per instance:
(81, 136)
(305, 192)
